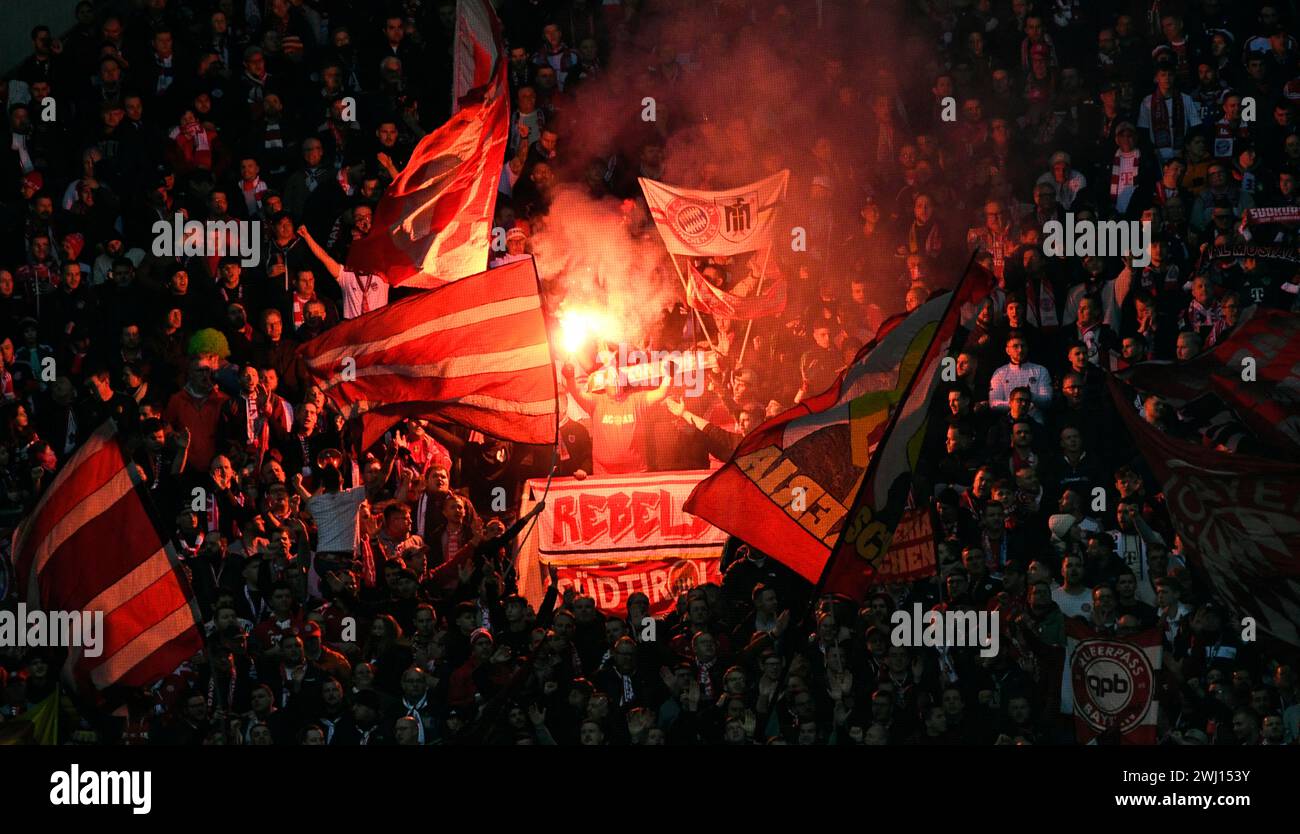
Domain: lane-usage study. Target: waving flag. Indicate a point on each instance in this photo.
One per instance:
(1238, 518)
(1265, 347)
(474, 353)
(477, 51)
(434, 223)
(707, 298)
(860, 556)
(729, 222)
(787, 488)
(91, 545)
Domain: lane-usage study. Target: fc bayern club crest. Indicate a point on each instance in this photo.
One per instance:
(695, 222)
(1113, 684)
(685, 575)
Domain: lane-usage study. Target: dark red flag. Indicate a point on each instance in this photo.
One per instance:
(1238, 518)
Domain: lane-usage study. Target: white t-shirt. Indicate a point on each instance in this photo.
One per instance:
(362, 293)
(1073, 605)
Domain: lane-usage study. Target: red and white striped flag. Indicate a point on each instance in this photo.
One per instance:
(91, 545)
(477, 51)
(434, 223)
(701, 295)
(474, 353)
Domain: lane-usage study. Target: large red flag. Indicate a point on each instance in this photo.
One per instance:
(861, 555)
(1253, 376)
(434, 223)
(91, 545)
(474, 353)
(1238, 518)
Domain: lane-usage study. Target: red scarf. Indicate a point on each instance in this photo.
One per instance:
(1168, 134)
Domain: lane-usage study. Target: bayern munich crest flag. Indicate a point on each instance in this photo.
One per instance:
(728, 222)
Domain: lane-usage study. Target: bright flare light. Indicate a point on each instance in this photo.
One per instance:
(578, 327)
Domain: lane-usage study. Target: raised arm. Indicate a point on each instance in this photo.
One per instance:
(584, 399)
(332, 265)
(665, 382)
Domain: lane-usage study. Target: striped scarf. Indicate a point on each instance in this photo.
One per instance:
(706, 680)
(1042, 304)
(1116, 167)
(166, 74)
(1168, 133)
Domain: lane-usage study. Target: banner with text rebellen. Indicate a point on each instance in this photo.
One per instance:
(617, 535)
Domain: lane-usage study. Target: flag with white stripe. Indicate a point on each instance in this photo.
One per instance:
(434, 223)
(477, 50)
(91, 545)
(474, 353)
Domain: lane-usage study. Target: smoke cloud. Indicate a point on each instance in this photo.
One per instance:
(589, 260)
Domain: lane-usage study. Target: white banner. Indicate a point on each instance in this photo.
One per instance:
(715, 222)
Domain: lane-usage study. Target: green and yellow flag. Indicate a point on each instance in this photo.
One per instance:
(39, 725)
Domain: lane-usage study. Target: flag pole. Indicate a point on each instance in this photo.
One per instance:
(681, 277)
(762, 273)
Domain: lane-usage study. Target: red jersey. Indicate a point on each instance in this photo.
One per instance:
(618, 434)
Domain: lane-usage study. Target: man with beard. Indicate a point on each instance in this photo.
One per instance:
(299, 449)
(273, 350)
(1132, 537)
(331, 711)
(269, 138)
(362, 727)
(1127, 602)
(520, 73)
(1100, 564)
(1044, 620)
(1073, 595)
(312, 194)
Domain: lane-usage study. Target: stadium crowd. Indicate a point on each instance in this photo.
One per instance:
(315, 562)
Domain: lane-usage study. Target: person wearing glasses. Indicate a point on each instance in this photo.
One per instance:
(996, 236)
